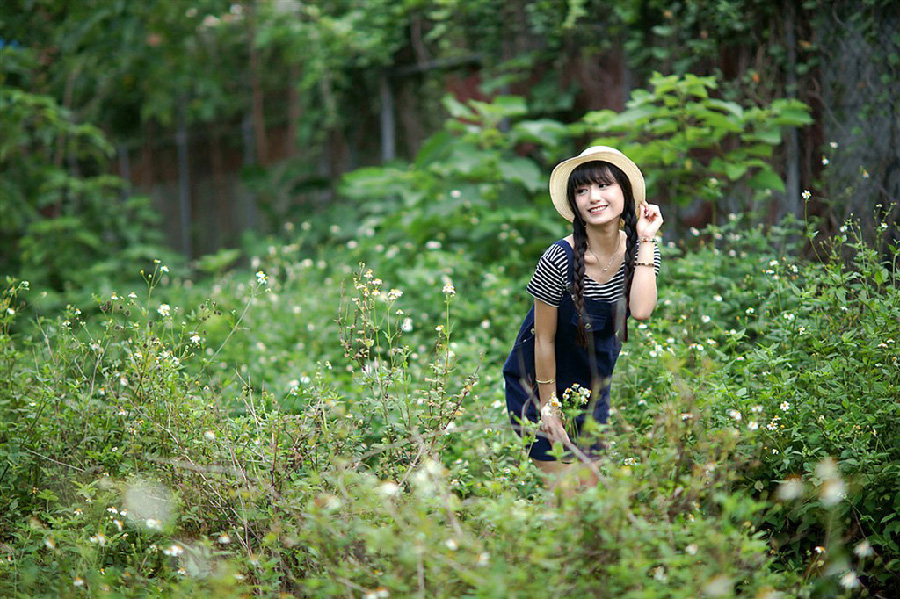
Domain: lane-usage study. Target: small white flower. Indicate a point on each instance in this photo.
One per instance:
(451, 544)
(735, 414)
(753, 425)
(825, 160)
(484, 558)
(10, 311)
(749, 310)
(98, 539)
(132, 295)
(691, 549)
(210, 435)
(863, 549)
(789, 317)
(223, 539)
(455, 193)
(153, 524)
(717, 297)
(164, 268)
(805, 195)
(389, 488)
(833, 491)
(78, 582)
(448, 289)
(163, 309)
(790, 489)
(261, 278)
(394, 294)
(849, 580)
(432, 245)
(785, 406)
(174, 550)
(195, 338)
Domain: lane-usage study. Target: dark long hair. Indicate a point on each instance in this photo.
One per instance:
(600, 173)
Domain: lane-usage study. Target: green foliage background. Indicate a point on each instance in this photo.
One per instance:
(319, 411)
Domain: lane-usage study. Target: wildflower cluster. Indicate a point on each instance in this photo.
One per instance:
(575, 400)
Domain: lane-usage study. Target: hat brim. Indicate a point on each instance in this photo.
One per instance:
(559, 178)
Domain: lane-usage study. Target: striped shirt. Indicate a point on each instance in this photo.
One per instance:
(550, 278)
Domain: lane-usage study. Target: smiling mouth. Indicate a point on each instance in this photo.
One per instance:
(597, 209)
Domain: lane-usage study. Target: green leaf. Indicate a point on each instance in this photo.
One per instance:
(735, 171)
(524, 171)
(766, 179)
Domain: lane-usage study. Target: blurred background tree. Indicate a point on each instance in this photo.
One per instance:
(234, 118)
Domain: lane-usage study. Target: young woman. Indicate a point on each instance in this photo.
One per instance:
(585, 287)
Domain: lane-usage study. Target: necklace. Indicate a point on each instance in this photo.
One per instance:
(611, 260)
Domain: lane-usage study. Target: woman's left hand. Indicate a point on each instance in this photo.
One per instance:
(649, 221)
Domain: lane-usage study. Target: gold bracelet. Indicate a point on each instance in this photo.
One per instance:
(644, 264)
(549, 381)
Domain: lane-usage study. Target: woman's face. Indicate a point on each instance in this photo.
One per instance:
(600, 203)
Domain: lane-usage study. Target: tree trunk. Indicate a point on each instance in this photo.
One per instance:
(388, 129)
(223, 205)
(184, 180)
(295, 112)
(259, 121)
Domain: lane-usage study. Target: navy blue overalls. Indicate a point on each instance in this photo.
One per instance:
(591, 368)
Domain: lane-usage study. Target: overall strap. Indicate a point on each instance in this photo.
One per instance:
(570, 264)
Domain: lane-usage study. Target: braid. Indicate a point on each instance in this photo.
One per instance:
(630, 219)
(580, 238)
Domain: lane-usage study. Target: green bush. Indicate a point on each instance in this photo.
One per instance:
(152, 449)
(800, 358)
(691, 145)
(125, 471)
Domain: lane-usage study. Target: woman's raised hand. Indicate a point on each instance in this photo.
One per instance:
(649, 221)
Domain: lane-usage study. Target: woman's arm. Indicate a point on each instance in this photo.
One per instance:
(642, 300)
(545, 368)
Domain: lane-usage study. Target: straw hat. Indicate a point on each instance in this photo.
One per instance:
(559, 178)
